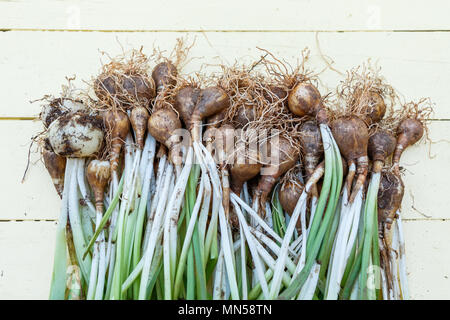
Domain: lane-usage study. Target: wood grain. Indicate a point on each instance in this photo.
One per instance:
(235, 15)
(409, 39)
(415, 71)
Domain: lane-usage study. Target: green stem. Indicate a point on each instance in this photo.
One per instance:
(349, 265)
(105, 218)
(332, 175)
(369, 211)
(353, 274)
(325, 251)
(376, 254)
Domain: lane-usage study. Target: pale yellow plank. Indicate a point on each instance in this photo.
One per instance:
(234, 15)
(424, 178)
(36, 198)
(26, 250)
(415, 70)
(428, 259)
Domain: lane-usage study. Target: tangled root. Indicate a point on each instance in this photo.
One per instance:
(178, 57)
(292, 175)
(242, 87)
(283, 74)
(354, 94)
(124, 82)
(421, 110)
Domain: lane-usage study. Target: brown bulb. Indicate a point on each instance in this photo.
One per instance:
(98, 173)
(139, 118)
(377, 108)
(185, 101)
(56, 166)
(216, 120)
(276, 94)
(381, 146)
(244, 114)
(241, 173)
(287, 155)
(289, 194)
(408, 133)
(139, 87)
(224, 144)
(352, 136)
(104, 87)
(373, 103)
(117, 126)
(312, 147)
(211, 101)
(304, 100)
(164, 76)
(390, 195)
(412, 129)
(162, 125)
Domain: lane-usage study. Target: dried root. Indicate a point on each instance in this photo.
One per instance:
(124, 82)
(366, 94)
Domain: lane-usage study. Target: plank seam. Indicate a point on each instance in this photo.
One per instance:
(224, 30)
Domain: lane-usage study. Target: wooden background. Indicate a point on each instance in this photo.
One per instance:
(41, 42)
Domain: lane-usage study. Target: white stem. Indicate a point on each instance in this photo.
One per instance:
(204, 211)
(384, 287)
(111, 246)
(402, 259)
(394, 264)
(247, 197)
(253, 250)
(302, 259)
(101, 269)
(270, 262)
(358, 211)
(273, 247)
(190, 228)
(223, 223)
(212, 228)
(313, 211)
(277, 276)
(155, 231)
(257, 218)
(83, 189)
(354, 294)
(95, 262)
(307, 292)
(162, 172)
(243, 264)
(173, 209)
(217, 289)
(75, 221)
(344, 241)
(268, 216)
(167, 257)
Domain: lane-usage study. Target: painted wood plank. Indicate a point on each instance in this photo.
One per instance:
(27, 248)
(425, 176)
(415, 71)
(425, 195)
(36, 198)
(428, 259)
(235, 15)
